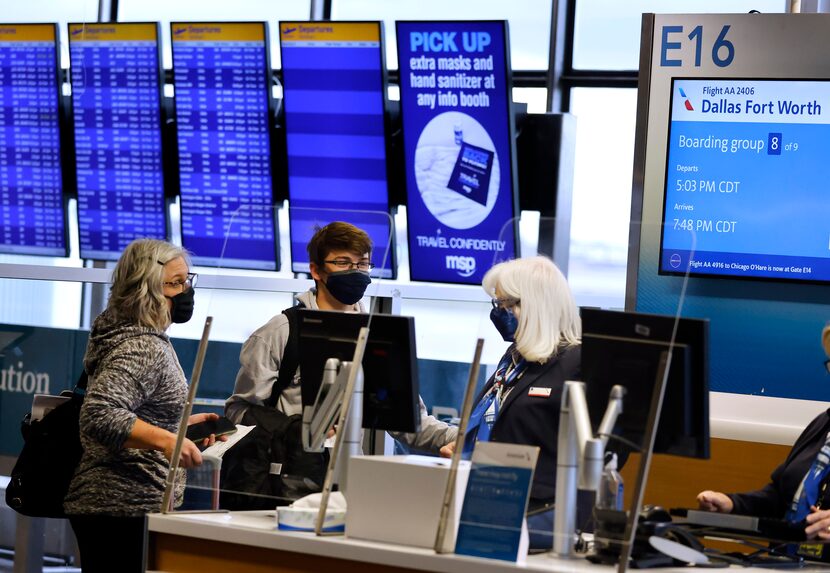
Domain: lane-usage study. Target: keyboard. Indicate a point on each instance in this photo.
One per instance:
(766, 527)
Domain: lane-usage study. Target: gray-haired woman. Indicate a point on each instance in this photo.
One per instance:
(134, 401)
(534, 309)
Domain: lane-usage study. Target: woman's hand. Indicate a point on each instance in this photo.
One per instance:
(190, 456)
(818, 524)
(714, 501)
(447, 450)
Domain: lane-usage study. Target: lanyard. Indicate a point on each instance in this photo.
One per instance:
(484, 415)
(807, 493)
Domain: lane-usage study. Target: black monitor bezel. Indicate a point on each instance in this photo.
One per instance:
(690, 350)
(343, 329)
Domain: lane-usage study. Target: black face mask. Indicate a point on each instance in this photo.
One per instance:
(348, 286)
(182, 306)
(505, 322)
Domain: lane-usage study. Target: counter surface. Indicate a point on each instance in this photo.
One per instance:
(257, 529)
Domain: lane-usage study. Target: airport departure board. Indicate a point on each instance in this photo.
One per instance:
(222, 80)
(116, 100)
(32, 219)
(333, 84)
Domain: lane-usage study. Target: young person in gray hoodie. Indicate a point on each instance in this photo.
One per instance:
(340, 256)
(134, 401)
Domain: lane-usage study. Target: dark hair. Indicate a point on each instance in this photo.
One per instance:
(337, 236)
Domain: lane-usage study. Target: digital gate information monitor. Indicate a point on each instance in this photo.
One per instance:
(746, 180)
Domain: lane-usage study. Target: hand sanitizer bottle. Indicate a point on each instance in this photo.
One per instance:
(610, 491)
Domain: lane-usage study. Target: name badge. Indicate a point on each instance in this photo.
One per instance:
(540, 392)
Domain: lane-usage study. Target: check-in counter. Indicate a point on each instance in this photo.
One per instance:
(247, 542)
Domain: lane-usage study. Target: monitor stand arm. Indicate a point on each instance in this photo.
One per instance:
(353, 435)
(320, 418)
(580, 458)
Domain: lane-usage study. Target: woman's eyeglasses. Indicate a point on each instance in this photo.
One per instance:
(346, 264)
(505, 302)
(189, 282)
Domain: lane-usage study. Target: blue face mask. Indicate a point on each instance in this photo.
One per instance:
(505, 322)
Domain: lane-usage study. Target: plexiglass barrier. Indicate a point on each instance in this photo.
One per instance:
(268, 467)
(535, 392)
(447, 321)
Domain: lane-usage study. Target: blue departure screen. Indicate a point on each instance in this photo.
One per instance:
(458, 148)
(32, 219)
(334, 117)
(746, 180)
(116, 97)
(222, 80)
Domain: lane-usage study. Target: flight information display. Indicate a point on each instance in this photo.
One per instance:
(32, 217)
(746, 180)
(459, 148)
(222, 79)
(333, 86)
(116, 98)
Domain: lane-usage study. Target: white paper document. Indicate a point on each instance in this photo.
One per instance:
(42, 404)
(218, 449)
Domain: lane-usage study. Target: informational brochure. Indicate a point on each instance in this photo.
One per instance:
(492, 523)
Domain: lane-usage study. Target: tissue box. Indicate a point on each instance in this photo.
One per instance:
(397, 499)
(304, 519)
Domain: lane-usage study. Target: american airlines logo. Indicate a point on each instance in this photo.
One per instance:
(465, 266)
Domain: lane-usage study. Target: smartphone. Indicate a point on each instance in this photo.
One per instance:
(218, 427)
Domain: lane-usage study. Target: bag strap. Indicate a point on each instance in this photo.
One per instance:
(80, 385)
(290, 355)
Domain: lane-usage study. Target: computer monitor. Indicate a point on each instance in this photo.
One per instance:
(390, 387)
(624, 348)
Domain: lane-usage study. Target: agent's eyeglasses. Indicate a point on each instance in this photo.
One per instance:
(346, 264)
(189, 282)
(505, 302)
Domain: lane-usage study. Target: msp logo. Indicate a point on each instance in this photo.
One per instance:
(289, 29)
(465, 266)
(179, 31)
(687, 103)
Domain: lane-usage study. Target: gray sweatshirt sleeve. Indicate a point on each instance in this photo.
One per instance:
(259, 360)
(119, 387)
(433, 436)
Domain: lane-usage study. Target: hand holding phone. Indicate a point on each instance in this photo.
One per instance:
(218, 427)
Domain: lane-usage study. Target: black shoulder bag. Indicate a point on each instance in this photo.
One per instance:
(270, 461)
(51, 452)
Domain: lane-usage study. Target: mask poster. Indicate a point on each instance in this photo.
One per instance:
(458, 148)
